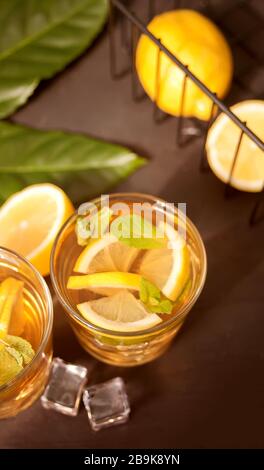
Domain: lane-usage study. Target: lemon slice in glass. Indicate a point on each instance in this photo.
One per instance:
(168, 268)
(105, 254)
(11, 307)
(121, 312)
(105, 283)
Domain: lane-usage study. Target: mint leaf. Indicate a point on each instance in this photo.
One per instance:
(137, 232)
(15, 354)
(164, 306)
(153, 299)
(148, 291)
(82, 230)
(93, 226)
(10, 364)
(143, 293)
(22, 347)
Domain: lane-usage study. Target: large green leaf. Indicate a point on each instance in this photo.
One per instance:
(84, 167)
(38, 38)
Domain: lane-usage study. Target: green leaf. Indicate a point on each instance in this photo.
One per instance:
(38, 38)
(137, 231)
(84, 167)
(95, 225)
(153, 299)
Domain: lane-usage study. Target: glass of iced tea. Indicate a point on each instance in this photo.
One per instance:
(127, 268)
(26, 318)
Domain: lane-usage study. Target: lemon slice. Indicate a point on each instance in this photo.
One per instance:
(106, 283)
(168, 268)
(95, 257)
(222, 140)
(30, 221)
(105, 254)
(121, 312)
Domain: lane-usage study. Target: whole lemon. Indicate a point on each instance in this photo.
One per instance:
(195, 41)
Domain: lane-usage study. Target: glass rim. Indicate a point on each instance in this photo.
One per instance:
(161, 326)
(48, 329)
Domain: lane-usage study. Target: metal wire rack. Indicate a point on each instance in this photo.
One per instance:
(131, 26)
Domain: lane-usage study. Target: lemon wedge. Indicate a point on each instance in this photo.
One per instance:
(105, 254)
(168, 268)
(108, 283)
(121, 312)
(30, 221)
(11, 307)
(222, 141)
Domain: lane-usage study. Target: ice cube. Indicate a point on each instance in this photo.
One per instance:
(65, 386)
(106, 404)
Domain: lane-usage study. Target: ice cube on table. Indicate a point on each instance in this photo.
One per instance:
(65, 386)
(106, 403)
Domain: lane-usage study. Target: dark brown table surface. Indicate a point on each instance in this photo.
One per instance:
(208, 389)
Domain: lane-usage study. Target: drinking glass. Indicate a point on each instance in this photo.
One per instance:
(20, 392)
(118, 348)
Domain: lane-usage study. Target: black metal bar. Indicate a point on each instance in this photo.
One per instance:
(204, 166)
(178, 3)
(151, 9)
(180, 139)
(124, 34)
(190, 75)
(257, 215)
(157, 87)
(158, 115)
(228, 190)
(133, 66)
(115, 74)
(185, 134)
(134, 79)
(112, 51)
(207, 5)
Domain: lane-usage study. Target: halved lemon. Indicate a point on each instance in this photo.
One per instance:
(196, 41)
(222, 141)
(168, 268)
(30, 221)
(105, 283)
(121, 312)
(105, 254)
